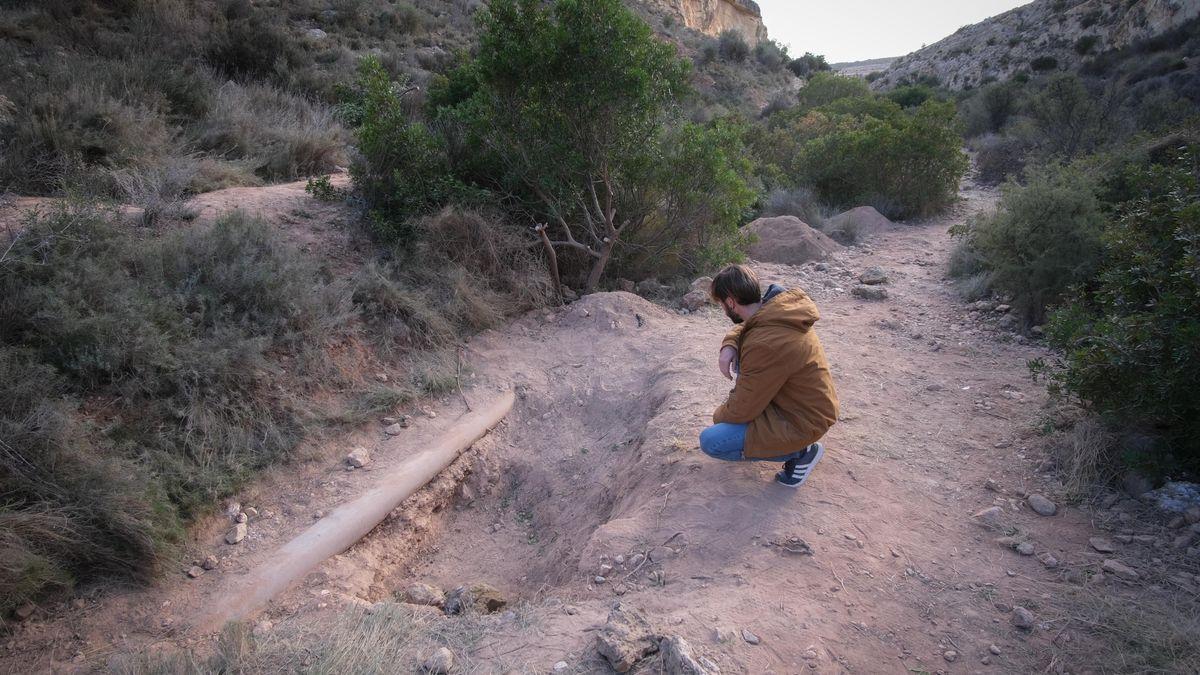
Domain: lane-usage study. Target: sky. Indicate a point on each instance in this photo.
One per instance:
(855, 30)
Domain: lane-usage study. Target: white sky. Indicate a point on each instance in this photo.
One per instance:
(855, 30)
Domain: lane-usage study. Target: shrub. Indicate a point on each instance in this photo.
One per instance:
(810, 63)
(176, 339)
(910, 96)
(991, 108)
(732, 46)
(1131, 341)
(999, 158)
(1086, 43)
(907, 164)
(771, 54)
(1043, 63)
(402, 171)
(1043, 240)
(825, 88)
(1070, 120)
(800, 202)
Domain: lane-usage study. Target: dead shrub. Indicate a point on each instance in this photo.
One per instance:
(1084, 457)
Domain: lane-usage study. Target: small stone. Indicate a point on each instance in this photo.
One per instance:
(560, 666)
(620, 560)
(992, 516)
(1023, 618)
(358, 458)
(1049, 561)
(873, 276)
(440, 661)
(242, 518)
(195, 571)
(724, 635)
(394, 429)
(994, 649)
(430, 414)
(866, 292)
(210, 562)
(388, 421)
(1192, 515)
(1002, 309)
(750, 637)
(251, 512)
(636, 559)
(382, 377)
(1120, 569)
(605, 570)
(25, 611)
(424, 594)
(950, 655)
(599, 580)
(678, 659)
(1041, 505)
(992, 485)
(1102, 545)
(1025, 548)
(236, 534)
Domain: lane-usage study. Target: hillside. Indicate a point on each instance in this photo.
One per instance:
(1045, 35)
(863, 68)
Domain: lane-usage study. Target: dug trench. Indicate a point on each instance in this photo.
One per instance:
(593, 492)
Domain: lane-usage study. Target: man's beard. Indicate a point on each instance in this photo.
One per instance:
(732, 316)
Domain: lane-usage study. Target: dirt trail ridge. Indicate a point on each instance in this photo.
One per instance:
(597, 472)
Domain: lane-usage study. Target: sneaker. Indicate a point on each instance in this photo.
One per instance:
(796, 471)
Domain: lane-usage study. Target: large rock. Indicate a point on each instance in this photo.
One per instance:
(677, 658)
(1041, 505)
(626, 638)
(858, 222)
(698, 295)
(424, 594)
(480, 598)
(237, 534)
(439, 662)
(869, 292)
(788, 240)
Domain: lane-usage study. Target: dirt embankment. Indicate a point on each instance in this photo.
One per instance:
(594, 491)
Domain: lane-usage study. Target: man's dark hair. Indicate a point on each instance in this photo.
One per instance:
(737, 282)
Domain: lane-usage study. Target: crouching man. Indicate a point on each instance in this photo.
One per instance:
(783, 400)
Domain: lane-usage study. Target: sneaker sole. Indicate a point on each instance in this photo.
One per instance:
(808, 470)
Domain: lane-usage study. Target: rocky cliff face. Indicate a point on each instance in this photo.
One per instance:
(711, 17)
(1043, 35)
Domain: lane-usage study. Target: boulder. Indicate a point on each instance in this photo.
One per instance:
(439, 662)
(1023, 618)
(698, 295)
(237, 534)
(788, 240)
(626, 638)
(1041, 505)
(869, 292)
(481, 598)
(424, 594)
(858, 222)
(992, 516)
(1119, 569)
(678, 659)
(873, 276)
(358, 458)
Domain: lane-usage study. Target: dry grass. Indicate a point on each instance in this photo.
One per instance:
(1084, 457)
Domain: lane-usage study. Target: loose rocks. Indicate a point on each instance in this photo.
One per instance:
(441, 661)
(625, 639)
(750, 637)
(210, 562)
(1023, 618)
(195, 571)
(358, 458)
(1120, 569)
(992, 516)
(1041, 505)
(1102, 545)
(424, 594)
(481, 597)
(873, 276)
(677, 657)
(237, 534)
(869, 292)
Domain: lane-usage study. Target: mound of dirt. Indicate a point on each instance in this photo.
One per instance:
(616, 310)
(860, 220)
(788, 240)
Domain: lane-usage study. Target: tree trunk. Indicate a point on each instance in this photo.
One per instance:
(552, 257)
(598, 266)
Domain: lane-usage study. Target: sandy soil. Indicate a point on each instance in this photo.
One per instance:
(600, 459)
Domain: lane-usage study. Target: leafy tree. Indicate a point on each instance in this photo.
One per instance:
(825, 88)
(808, 64)
(1131, 346)
(1069, 118)
(570, 99)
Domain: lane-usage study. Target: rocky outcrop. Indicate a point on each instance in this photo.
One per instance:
(712, 17)
(1044, 35)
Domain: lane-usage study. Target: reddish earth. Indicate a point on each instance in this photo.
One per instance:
(600, 460)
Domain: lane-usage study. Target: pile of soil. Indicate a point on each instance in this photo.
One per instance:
(789, 240)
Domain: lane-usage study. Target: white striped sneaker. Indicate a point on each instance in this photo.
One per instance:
(796, 471)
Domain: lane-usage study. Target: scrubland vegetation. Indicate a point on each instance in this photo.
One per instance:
(1095, 238)
(148, 369)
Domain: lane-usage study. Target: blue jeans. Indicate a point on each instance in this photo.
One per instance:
(726, 441)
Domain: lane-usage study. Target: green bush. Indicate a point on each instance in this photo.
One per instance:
(1131, 341)
(173, 344)
(1043, 63)
(1070, 120)
(910, 96)
(402, 171)
(813, 63)
(905, 164)
(771, 54)
(1044, 239)
(1085, 44)
(825, 88)
(732, 46)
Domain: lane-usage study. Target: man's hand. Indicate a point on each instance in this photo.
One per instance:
(728, 355)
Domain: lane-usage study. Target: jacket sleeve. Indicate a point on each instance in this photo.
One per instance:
(760, 379)
(731, 338)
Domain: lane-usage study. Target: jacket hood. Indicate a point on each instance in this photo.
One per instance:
(790, 309)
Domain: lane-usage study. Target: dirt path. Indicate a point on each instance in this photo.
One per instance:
(597, 472)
